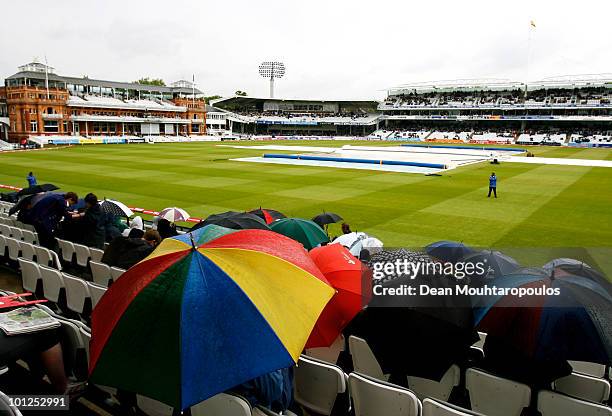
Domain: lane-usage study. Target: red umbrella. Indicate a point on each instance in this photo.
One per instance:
(268, 215)
(352, 281)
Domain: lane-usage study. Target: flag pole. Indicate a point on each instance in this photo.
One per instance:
(47, 76)
(193, 88)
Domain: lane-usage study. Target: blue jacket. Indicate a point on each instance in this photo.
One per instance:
(31, 180)
(493, 181)
(273, 390)
(49, 211)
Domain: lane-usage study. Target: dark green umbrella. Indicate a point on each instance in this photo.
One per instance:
(304, 231)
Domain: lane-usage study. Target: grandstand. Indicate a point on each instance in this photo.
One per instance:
(38, 102)
(564, 111)
(280, 117)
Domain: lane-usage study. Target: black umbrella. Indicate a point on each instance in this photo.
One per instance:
(234, 220)
(436, 331)
(23, 203)
(268, 215)
(37, 189)
(496, 263)
(327, 218)
(116, 208)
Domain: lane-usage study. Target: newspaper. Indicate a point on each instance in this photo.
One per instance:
(26, 320)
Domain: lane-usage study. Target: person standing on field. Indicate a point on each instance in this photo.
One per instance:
(492, 185)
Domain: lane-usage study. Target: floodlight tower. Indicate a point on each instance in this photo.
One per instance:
(271, 70)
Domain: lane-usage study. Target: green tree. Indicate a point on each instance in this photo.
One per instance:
(241, 93)
(211, 98)
(152, 81)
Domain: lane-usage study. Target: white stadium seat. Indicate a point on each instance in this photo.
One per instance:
(584, 387)
(82, 254)
(100, 272)
(151, 407)
(14, 248)
(96, 292)
(46, 257)
(223, 404)
(440, 390)
(436, 408)
(496, 396)
(590, 369)
(6, 406)
(30, 237)
(30, 275)
(77, 292)
(67, 250)
(2, 245)
(116, 273)
(557, 404)
(28, 251)
(364, 361)
(318, 384)
(52, 283)
(374, 397)
(96, 254)
(328, 354)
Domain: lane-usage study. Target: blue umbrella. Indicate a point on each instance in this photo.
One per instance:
(448, 251)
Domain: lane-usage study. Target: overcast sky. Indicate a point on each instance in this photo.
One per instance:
(332, 49)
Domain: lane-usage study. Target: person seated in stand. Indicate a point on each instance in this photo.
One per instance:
(124, 252)
(136, 224)
(43, 353)
(91, 223)
(113, 226)
(346, 228)
(274, 390)
(166, 228)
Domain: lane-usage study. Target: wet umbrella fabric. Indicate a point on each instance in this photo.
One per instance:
(116, 208)
(450, 251)
(36, 189)
(206, 311)
(327, 218)
(268, 215)
(234, 220)
(436, 331)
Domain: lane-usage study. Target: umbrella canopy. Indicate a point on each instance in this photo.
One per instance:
(352, 282)
(268, 215)
(570, 268)
(306, 232)
(439, 328)
(450, 251)
(496, 263)
(116, 208)
(174, 214)
(36, 189)
(234, 220)
(327, 218)
(22, 204)
(357, 241)
(560, 319)
(206, 311)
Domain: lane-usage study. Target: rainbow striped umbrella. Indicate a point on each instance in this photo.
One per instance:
(206, 311)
